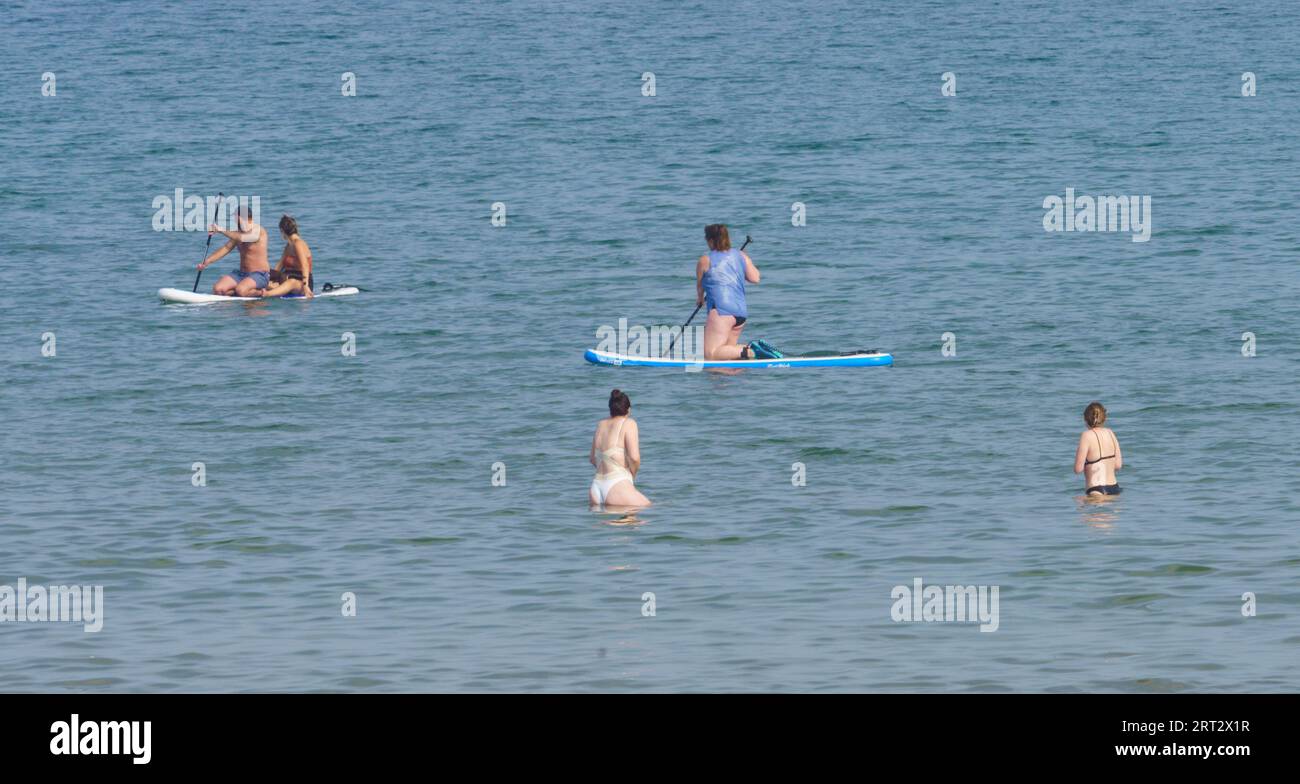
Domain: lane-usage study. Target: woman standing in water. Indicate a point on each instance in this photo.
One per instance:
(616, 454)
(1098, 456)
(720, 277)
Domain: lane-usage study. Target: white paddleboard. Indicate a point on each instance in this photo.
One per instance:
(195, 298)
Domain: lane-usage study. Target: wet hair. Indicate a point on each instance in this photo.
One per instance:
(288, 225)
(716, 235)
(1094, 414)
(244, 211)
(619, 403)
(276, 276)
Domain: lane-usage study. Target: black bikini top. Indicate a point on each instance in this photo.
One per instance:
(1098, 460)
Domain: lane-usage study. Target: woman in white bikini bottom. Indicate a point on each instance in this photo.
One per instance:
(618, 459)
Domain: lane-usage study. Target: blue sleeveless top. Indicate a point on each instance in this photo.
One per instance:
(724, 283)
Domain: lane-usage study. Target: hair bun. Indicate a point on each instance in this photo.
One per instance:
(619, 403)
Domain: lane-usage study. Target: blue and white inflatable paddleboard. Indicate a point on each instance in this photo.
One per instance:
(860, 359)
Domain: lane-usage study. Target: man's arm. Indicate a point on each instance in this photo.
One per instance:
(236, 236)
(218, 253)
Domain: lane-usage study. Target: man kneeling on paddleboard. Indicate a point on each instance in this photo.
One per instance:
(720, 277)
(253, 274)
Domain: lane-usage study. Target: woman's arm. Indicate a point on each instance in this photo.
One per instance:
(751, 272)
(591, 458)
(304, 263)
(701, 267)
(1081, 454)
(632, 446)
(1119, 456)
(303, 253)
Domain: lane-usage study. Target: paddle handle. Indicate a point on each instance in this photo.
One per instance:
(208, 247)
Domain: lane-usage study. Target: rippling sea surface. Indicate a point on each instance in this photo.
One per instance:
(373, 474)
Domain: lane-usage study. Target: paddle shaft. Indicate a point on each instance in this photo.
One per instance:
(209, 246)
(697, 308)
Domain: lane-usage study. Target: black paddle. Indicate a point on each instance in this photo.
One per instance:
(209, 247)
(697, 310)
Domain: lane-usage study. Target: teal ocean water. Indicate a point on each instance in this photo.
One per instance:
(372, 474)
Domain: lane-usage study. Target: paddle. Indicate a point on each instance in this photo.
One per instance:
(209, 247)
(697, 310)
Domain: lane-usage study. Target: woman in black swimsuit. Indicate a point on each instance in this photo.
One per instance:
(1098, 456)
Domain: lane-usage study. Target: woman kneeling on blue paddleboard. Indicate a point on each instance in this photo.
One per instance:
(1098, 456)
(616, 454)
(720, 277)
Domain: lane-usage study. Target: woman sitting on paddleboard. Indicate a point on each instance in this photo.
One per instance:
(616, 454)
(1098, 456)
(720, 277)
(293, 274)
